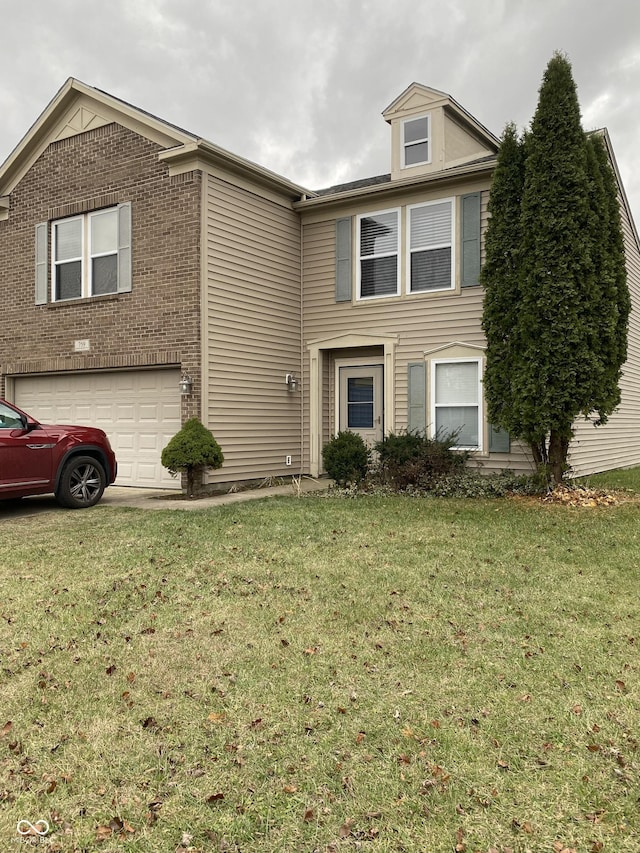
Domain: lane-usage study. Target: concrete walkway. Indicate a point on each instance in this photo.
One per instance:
(128, 496)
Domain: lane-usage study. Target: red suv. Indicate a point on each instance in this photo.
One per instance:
(76, 463)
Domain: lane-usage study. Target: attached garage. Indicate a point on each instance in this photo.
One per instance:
(138, 409)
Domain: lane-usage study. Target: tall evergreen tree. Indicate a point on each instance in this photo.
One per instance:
(567, 336)
(500, 278)
(612, 303)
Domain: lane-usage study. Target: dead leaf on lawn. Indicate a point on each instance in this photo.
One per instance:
(345, 829)
(215, 717)
(214, 798)
(6, 728)
(102, 833)
(309, 815)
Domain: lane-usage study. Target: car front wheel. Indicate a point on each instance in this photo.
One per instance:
(82, 483)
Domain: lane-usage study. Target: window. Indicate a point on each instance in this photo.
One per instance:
(85, 255)
(416, 142)
(431, 246)
(360, 402)
(456, 397)
(378, 268)
(90, 255)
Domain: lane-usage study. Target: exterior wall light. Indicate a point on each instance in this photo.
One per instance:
(186, 384)
(291, 382)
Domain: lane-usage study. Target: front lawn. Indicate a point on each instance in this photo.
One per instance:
(322, 674)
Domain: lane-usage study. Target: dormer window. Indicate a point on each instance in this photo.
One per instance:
(416, 141)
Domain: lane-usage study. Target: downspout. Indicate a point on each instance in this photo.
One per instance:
(301, 324)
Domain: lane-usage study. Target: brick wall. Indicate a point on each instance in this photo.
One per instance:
(159, 321)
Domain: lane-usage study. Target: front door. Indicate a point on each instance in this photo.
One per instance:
(360, 407)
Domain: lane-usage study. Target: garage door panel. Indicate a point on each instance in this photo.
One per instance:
(139, 411)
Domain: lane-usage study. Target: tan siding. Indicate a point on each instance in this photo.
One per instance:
(422, 322)
(253, 331)
(617, 444)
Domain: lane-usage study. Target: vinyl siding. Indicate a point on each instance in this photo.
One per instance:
(617, 444)
(422, 322)
(252, 317)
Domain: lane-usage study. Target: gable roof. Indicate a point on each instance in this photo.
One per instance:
(418, 97)
(77, 108)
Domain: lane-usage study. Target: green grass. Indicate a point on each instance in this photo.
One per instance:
(378, 674)
(621, 478)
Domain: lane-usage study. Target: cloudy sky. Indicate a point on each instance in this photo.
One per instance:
(298, 86)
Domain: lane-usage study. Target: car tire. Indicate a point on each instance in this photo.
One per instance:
(82, 483)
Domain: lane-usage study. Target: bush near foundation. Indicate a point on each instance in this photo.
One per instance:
(412, 460)
(346, 458)
(191, 451)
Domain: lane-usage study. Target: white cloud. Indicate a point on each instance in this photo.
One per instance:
(299, 85)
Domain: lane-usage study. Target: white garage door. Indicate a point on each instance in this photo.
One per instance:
(138, 409)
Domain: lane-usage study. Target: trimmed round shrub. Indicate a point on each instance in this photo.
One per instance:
(191, 451)
(346, 458)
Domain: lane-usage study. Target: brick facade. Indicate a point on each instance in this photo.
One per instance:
(158, 323)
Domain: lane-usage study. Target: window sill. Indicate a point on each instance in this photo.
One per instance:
(411, 296)
(84, 300)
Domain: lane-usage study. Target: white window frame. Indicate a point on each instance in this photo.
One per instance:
(395, 254)
(410, 250)
(480, 404)
(405, 144)
(87, 256)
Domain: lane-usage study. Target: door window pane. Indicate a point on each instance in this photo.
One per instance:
(360, 402)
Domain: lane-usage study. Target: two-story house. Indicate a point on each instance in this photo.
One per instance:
(148, 276)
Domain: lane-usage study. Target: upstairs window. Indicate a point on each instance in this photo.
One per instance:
(416, 141)
(85, 255)
(378, 267)
(431, 246)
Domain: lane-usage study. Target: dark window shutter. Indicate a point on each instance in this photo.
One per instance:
(41, 263)
(343, 260)
(416, 408)
(499, 441)
(124, 247)
(470, 240)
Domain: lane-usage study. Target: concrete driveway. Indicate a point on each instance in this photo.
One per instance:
(128, 496)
